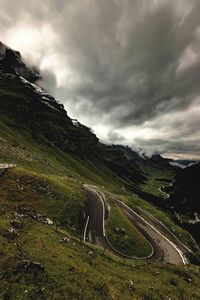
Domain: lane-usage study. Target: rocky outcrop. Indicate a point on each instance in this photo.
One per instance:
(11, 61)
(161, 162)
(32, 109)
(123, 162)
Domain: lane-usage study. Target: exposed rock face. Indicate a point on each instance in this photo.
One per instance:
(12, 62)
(160, 161)
(32, 109)
(123, 162)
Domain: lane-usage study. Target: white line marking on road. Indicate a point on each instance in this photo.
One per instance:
(85, 229)
(164, 237)
(151, 226)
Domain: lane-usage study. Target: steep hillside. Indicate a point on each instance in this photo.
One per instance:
(43, 204)
(123, 162)
(142, 175)
(24, 105)
(39, 262)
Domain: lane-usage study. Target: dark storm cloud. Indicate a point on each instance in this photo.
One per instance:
(178, 133)
(128, 63)
(176, 149)
(114, 137)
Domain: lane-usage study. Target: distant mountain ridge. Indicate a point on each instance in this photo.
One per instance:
(182, 163)
(185, 199)
(186, 195)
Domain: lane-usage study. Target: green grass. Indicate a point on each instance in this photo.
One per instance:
(50, 194)
(152, 184)
(71, 273)
(51, 182)
(131, 242)
(134, 201)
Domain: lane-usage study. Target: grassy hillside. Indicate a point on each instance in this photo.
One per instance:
(69, 172)
(124, 236)
(51, 183)
(42, 207)
(66, 268)
(155, 179)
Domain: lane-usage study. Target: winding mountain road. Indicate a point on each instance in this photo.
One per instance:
(163, 249)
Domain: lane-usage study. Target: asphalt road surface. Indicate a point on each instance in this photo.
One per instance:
(163, 249)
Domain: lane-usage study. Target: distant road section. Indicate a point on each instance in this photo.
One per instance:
(163, 249)
(6, 166)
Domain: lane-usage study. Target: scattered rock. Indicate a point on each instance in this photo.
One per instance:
(131, 282)
(29, 267)
(23, 211)
(47, 221)
(65, 240)
(188, 279)
(12, 230)
(133, 266)
(18, 245)
(11, 234)
(120, 230)
(16, 224)
(27, 212)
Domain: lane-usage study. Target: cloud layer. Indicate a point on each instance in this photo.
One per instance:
(127, 68)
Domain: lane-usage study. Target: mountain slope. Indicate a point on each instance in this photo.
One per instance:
(186, 195)
(32, 109)
(54, 157)
(185, 199)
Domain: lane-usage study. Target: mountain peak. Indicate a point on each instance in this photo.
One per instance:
(11, 61)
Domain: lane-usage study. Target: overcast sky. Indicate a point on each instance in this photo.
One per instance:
(130, 69)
